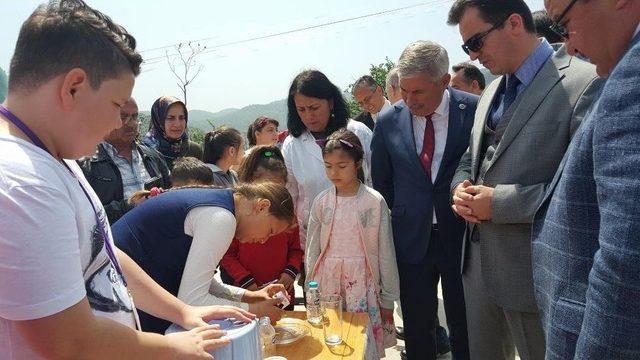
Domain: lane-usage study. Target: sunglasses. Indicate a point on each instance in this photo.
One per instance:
(557, 26)
(476, 42)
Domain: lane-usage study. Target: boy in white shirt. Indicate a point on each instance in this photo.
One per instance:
(63, 292)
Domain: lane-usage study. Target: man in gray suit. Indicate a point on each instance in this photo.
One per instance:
(523, 125)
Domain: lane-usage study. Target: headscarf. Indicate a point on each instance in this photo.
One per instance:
(156, 136)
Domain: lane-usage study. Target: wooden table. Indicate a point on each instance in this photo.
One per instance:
(354, 339)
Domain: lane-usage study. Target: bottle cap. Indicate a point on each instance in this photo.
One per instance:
(313, 285)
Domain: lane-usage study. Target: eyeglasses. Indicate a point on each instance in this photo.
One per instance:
(366, 100)
(476, 42)
(557, 27)
(129, 117)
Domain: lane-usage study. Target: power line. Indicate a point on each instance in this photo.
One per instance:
(288, 32)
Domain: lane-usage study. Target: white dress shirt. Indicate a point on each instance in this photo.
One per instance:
(440, 119)
(385, 106)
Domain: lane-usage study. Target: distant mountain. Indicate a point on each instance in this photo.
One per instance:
(237, 118)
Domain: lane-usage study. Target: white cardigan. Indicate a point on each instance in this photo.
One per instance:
(306, 173)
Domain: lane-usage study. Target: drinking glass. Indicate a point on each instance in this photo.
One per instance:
(332, 319)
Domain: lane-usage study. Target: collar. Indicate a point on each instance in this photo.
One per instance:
(530, 67)
(214, 167)
(111, 150)
(385, 106)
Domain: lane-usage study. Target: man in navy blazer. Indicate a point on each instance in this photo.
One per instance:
(586, 232)
(416, 147)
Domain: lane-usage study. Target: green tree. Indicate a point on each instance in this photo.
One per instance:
(4, 83)
(379, 74)
(196, 134)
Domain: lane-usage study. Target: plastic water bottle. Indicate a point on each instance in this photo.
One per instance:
(314, 313)
(267, 337)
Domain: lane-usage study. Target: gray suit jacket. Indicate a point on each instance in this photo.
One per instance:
(543, 119)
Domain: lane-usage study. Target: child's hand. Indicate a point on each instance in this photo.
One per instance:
(265, 293)
(387, 315)
(287, 281)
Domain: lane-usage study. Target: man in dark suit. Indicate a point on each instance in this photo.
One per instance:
(523, 125)
(586, 233)
(416, 147)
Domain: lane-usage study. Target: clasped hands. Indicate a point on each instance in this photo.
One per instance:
(473, 202)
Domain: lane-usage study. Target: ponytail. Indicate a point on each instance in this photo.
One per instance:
(279, 197)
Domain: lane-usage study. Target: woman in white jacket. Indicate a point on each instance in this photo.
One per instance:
(315, 110)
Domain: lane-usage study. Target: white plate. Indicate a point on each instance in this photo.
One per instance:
(290, 330)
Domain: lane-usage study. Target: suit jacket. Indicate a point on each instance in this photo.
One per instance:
(543, 119)
(586, 233)
(398, 175)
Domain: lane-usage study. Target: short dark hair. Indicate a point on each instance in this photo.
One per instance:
(189, 170)
(257, 125)
(543, 22)
(366, 80)
(67, 34)
(217, 141)
(470, 72)
(493, 12)
(315, 84)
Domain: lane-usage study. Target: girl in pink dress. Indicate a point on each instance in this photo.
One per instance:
(349, 249)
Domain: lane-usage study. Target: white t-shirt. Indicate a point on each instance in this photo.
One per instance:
(212, 229)
(52, 254)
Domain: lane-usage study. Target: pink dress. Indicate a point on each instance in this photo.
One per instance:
(344, 271)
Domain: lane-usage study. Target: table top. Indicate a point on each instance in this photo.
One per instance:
(313, 346)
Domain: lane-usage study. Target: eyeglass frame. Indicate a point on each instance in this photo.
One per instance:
(479, 38)
(556, 25)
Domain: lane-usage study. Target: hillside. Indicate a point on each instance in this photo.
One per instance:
(237, 118)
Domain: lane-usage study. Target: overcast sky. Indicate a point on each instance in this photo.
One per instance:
(260, 71)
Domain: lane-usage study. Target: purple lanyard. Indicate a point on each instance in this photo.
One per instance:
(99, 222)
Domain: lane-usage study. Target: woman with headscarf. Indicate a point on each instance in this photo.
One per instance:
(168, 131)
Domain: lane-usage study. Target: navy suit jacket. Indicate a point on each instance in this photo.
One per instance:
(398, 175)
(586, 232)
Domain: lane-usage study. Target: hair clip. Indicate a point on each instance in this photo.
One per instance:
(261, 121)
(346, 143)
(268, 153)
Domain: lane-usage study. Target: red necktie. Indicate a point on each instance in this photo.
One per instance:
(428, 144)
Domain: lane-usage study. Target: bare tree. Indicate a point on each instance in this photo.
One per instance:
(183, 63)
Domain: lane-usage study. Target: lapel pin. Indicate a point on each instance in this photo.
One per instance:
(462, 106)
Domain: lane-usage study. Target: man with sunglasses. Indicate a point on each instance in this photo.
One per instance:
(586, 232)
(523, 125)
(121, 166)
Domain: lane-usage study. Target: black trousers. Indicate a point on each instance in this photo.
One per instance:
(419, 300)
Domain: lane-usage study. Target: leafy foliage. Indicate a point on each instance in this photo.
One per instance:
(379, 73)
(4, 83)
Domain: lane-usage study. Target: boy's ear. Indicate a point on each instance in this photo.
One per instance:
(74, 81)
